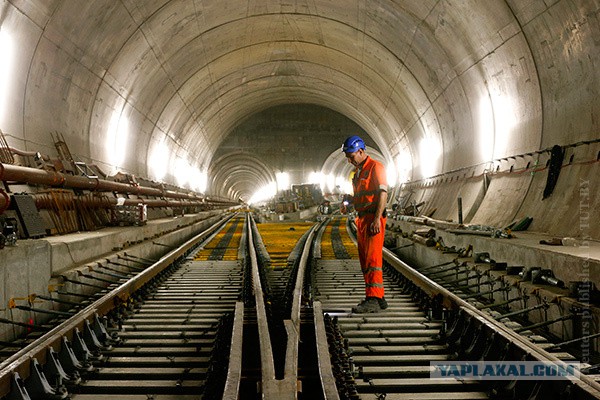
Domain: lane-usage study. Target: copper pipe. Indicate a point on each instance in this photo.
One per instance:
(17, 173)
(86, 186)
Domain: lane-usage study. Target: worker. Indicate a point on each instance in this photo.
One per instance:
(325, 207)
(370, 197)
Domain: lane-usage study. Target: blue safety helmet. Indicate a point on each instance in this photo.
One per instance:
(352, 144)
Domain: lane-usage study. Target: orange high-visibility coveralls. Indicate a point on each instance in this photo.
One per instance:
(369, 179)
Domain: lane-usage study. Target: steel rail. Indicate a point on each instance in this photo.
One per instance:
(299, 285)
(234, 371)
(292, 326)
(317, 245)
(20, 362)
(270, 388)
(288, 387)
(328, 385)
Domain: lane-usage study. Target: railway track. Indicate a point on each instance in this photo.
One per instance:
(166, 345)
(390, 351)
(160, 334)
(387, 355)
(34, 315)
(217, 318)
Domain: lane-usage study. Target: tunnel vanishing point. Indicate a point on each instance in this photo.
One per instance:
(457, 97)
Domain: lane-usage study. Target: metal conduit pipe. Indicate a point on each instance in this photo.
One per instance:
(29, 175)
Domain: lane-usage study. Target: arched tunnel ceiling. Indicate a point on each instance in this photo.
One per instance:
(156, 87)
(294, 138)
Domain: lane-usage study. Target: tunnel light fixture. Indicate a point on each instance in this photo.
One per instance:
(159, 160)
(497, 118)
(344, 184)
(197, 179)
(7, 52)
(202, 183)
(504, 118)
(330, 182)
(486, 129)
(316, 178)
(182, 171)
(283, 181)
(190, 176)
(391, 174)
(194, 178)
(264, 193)
(116, 139)
(430, 152)
(404, 166)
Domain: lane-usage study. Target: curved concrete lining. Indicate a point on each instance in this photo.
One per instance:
(155, 88)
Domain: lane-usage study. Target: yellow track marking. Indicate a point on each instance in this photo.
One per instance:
(327, 252)
(232, 248)
(280, 239)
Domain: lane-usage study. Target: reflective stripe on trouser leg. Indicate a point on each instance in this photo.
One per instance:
(370, 254)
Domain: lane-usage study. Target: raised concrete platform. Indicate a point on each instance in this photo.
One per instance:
(68, 251)
(568, 263)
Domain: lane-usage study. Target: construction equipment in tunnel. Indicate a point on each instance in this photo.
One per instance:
(50, 178)
(73, 198)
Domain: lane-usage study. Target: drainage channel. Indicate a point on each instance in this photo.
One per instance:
(286, 338)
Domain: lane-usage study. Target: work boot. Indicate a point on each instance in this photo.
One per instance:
(368, 305)
(382, 303)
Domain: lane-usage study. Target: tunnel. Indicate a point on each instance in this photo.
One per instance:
(484, 112)
(179, 91)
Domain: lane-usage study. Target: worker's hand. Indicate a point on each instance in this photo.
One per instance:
(375, 226)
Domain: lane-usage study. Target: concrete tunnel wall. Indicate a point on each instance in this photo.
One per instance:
(442, 87)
